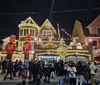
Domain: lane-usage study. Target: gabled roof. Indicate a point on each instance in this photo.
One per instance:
(30, 20)
(78, 31)
(6, 39)
(95, 22)
(48, 23)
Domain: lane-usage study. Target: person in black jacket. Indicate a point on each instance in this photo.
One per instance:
(9, 70)
(79, 68)
(15, 68)
(30, 69)
(3, 66)
(60, 71)
(34, 71)
(47, 72)
(87, 75)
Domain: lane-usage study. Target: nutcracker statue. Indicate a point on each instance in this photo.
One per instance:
(10, 47)
(27, 47)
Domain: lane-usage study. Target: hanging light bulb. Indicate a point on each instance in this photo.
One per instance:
(65, 32)
(62, 29)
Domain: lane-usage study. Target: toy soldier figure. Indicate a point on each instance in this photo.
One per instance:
(27, 47)
(10, 47)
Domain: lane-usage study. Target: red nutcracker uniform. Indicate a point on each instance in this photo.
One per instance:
(10, 47)
(27, 47)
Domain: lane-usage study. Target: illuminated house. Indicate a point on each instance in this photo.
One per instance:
(45, 40)
(47, 44)
(94, 30)
(94, 36)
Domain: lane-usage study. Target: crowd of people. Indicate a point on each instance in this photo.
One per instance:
(74, 73)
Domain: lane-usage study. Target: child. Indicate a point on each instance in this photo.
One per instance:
(24, 75)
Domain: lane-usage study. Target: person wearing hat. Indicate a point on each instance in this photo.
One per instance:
(10, 47)
(27, 47)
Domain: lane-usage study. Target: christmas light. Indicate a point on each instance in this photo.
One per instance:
(65, 32)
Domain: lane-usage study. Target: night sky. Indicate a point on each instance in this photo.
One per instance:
(64, 12)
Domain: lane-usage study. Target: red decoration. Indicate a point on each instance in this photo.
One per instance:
(27, 45)
(11, 46)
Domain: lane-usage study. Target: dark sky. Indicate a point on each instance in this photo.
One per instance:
(12, 12)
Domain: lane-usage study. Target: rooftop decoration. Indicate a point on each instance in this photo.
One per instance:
(78, 32)
(75, 44)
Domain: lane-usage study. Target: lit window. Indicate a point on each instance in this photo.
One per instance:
(21, 32)
(47, 32)
(32, 32)
(25, 31)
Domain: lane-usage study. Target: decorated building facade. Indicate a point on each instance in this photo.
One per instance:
(45, 40)
(47, 43)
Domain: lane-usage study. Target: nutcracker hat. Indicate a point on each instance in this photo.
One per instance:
(12, 37)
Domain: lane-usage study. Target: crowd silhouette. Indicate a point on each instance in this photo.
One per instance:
(72, 72)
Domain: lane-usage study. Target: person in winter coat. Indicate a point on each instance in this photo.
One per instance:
(30, 69)
(47, 73)
(92, 68)
(19, 68)
(72, 73)
(92, 72)
(24, 74)
(86, 73)
(79, 73)
(97, 75)
(9, 70)
(3, 66)
(65, 70)
(34, 72)
(60, 71)
(52, 69)
(15, 68)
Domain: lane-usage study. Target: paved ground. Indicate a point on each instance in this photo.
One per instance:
(17, 81)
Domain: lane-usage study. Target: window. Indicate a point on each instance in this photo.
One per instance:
(47, 33)
(32, 32)
(25, 31)
(94, 43)
(21, 32)
(98, 30)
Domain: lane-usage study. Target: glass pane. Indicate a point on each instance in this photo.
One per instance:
(25, 31)
(21, 32)
(32, 32)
